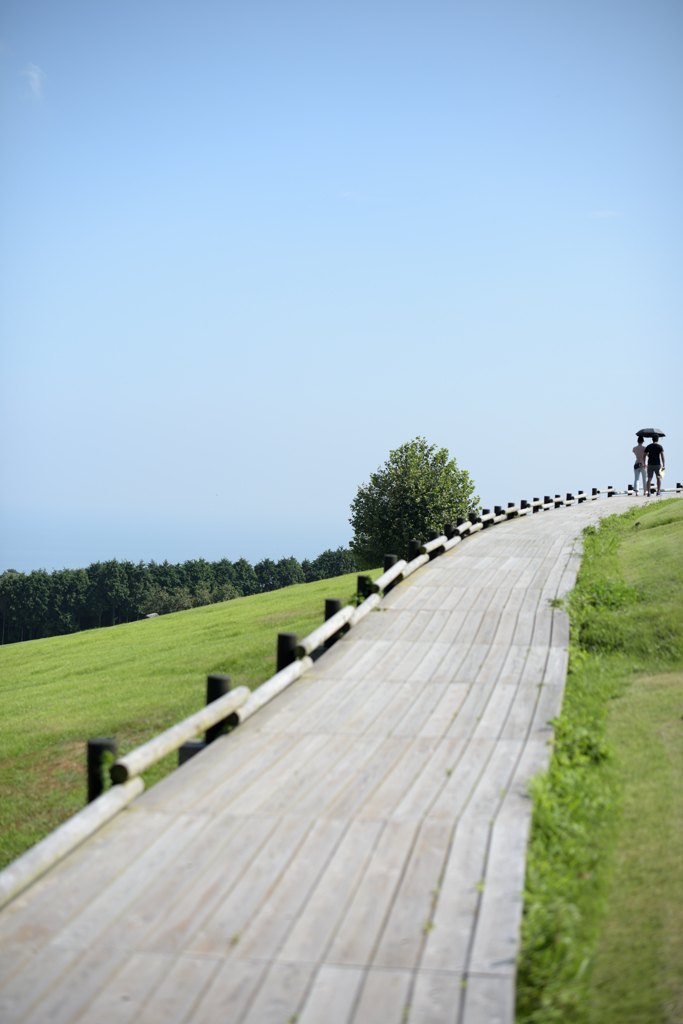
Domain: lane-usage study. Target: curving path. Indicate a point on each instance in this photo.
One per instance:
(353, 854)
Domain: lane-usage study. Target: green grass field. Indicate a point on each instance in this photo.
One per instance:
(603, 916)
(129, 681)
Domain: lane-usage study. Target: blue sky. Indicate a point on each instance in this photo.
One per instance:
(250, 248)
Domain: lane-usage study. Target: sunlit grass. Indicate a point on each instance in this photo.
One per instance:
(598, 810)
(131, 682)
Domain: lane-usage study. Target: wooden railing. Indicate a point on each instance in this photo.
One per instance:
(232, 707)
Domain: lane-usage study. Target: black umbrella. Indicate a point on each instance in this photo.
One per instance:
(651, 432)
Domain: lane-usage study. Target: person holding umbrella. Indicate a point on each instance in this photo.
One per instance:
(639, 466)
(655, 456)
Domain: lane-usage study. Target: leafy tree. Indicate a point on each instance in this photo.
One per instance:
(418, 489)
(288, 571)
(328, 564)
(245, 580)
(266, 574)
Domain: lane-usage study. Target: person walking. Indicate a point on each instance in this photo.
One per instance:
(639, 465)
(655, 464)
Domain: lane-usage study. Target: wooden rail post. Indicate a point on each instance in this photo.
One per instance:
(485, 512)
(363, 588)
(218, 685)
(332, 606)
(558, 500)
(286, 642)
(511, 515)
(536, 508)
(389, 562)
(473, 518)
(610, 491)
(96, 750)
(449, 530)
(413, 549)
(432, 535)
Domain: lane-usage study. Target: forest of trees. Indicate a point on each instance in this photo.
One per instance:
(39, 603)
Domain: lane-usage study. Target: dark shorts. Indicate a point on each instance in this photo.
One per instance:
(653, 469)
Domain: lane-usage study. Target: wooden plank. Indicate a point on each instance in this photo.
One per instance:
(280, 995)
(449, 666)
(560, 628)
(41, 971)
(360, 785)
(176, 925)
(489, 1000)
(99, 916)
(122, 1000)
(437, 997)
(402, 937)
(497, 928)
(239, 754)
(288, 902)
(449, 705)
(523, 709)
(382, 801)
(361, 925)
(451, 760)
(332, 995)
(230, 993)
(384, 998)
(272, 793)
(429, 664)
(170, 885)
(220, 932)
(526, 618)
(325, 787)
(448, 942)
(416, 713)
(63, 1003)
(34, 917)
(179, 991)
(335, 886)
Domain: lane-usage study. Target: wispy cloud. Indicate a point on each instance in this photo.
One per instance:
(35, 79)
(358, 197)
(606, 213)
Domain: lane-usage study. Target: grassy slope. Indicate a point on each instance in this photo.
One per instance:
(606, 833)
(129, 681)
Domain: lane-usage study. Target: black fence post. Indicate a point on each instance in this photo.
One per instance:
(558, 500)
(524, 503)
(286, 642)
(449, 530)
(535, 508)
(332, 606)
(389, 562)
(473, 518)
(610, 491)
(485, 512)
(217, 685)
(96, 750)
(413, 549)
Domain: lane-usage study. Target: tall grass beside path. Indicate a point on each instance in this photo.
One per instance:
(130, 681)
(596, 923)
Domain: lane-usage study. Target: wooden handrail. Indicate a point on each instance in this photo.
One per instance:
(166, 742)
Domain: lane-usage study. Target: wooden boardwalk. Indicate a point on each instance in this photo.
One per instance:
(353, 854)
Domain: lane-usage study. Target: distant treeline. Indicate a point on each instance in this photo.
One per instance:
(40, 603)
